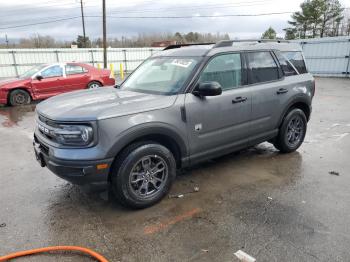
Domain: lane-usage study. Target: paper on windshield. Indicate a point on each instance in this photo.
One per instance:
(181, 62)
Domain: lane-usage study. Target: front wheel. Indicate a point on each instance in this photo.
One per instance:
(94, 85)
(292, 132)
(143, 174)
(19, 97)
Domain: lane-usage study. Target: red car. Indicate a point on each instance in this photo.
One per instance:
(44, 81)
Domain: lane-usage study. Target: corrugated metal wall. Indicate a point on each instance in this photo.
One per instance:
(14, 62)
(329, 56)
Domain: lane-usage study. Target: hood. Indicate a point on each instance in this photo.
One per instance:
(95, 104)
(15, 82)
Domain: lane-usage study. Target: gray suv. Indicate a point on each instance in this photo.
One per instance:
(183, 105)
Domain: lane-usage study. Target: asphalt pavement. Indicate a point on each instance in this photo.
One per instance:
(275, 207)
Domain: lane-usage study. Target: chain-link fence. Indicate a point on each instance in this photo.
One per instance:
(14, 62)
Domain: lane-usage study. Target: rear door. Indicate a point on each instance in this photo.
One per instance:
(51, 84)
(217, 124)
(77, 77)
(270, 90)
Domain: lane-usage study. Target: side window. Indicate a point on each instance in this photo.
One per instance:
(224, 69)
(53, 71)
(75, 69)
(262, 66)
(297, 60)
(287, 68)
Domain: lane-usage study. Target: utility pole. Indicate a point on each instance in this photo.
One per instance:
(104, 34)
(83, 20)
(7, 41)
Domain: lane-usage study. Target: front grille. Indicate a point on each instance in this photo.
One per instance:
(45, 126)
(47, 121)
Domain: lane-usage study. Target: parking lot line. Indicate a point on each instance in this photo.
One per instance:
(163, 225)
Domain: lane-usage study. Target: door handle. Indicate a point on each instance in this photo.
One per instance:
(282, 91)
(239, 99)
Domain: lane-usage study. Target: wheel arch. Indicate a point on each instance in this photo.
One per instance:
(299, 102)
(9, 91)
(162, 135)
(91, 81)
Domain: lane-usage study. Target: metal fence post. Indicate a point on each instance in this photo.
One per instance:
(92, 57)
(57, 57)
(125, 61)
(14, 62)
(347, 72)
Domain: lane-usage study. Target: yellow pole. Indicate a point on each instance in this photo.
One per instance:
(111, 66)
(99, 66)
(121, 71)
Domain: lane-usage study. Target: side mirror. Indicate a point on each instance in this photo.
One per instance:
(208, 89)
(39, 77)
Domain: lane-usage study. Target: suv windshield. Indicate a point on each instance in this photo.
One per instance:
(32, 71)
(161, 75)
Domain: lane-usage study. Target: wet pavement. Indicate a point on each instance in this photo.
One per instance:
(275, 207)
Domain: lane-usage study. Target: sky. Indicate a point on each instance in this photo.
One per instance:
(15, 14)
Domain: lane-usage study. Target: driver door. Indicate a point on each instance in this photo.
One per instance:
(51, 82)
(218, 124)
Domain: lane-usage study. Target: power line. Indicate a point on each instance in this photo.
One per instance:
(198, 16)
(128, 10)
(150, 17)
(15, 10)
(203, 6)
(40, 23)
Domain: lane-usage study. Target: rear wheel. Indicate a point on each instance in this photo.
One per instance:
(94, 85)
(292, 131)
(143, 174)
(19, 97)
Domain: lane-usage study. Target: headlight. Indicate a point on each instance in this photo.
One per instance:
(77, 135)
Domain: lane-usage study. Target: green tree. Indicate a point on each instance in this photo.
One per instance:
(290, 33)
(331, 14)
(270, 33)
(190, 38)
(178, 37)
(300, 20)
(317, 18)
(83, 43)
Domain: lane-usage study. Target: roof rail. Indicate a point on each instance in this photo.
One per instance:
(181, 45)
(225, 43)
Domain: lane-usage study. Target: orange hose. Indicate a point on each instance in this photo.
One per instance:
(92, 253)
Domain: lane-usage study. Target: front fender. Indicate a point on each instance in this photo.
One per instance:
(142, 130)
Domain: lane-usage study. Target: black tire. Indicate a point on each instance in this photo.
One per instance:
(123, 174)
(291, 135)
(94, 85)
(19, 97)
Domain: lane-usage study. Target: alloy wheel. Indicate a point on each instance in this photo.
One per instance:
(295, 131)
(148, 176)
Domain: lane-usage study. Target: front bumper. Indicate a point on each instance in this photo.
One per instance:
(80, 172)
(3, 97)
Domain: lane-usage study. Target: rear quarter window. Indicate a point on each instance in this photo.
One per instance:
(286, 66)
(297, 59)
(75, 69)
